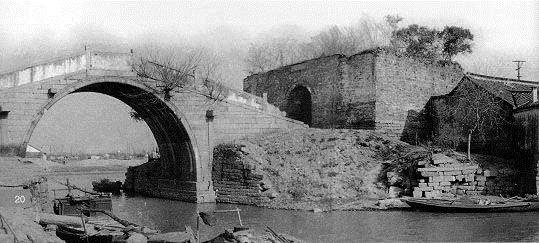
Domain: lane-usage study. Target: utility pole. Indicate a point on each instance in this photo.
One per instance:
(519, 65)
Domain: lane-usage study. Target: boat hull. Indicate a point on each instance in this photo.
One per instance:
(438, 205)
(71, 206)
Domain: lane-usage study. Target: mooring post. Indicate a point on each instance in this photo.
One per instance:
(198, 227)
(239, 216)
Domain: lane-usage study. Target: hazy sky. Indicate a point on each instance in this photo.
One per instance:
(504, 31)
(500, 24)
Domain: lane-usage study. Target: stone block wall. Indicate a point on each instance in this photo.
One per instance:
(235, 180)
(374, 89)
(404, 86)
(447, 177)
(322, 76)
(137, 180)
(359, 91)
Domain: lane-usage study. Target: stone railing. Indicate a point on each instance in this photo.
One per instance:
(254, 101)
(239, 97)
(102, 63)
(86, 61)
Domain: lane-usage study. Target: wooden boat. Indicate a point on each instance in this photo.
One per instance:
(72, 204)
(73, 235)
(105, 185)
(105, 234)
(457, 206)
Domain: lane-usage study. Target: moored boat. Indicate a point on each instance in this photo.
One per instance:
(105, 185)
(466, 206)
(71, 204)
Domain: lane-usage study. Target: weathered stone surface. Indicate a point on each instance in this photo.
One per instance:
(466, 179)
(185, 125)
(364, 86)
(442, 159)
(448, 168)
(394, 191)
(391, 203)
(393, 178)
(417, 192)
(490, 173)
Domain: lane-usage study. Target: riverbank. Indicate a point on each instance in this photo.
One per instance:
(333, 169)
(18, 171)
(15, 167)
(313, 169)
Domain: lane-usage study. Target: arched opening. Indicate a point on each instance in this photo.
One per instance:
(299, 105)
(171, 137)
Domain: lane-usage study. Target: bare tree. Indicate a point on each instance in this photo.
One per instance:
(172, 69)
(285, 49)
(365, 34)
(187, 70)
(477, 111)
(276, 52)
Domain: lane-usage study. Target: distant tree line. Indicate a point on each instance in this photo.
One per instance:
(420, 42)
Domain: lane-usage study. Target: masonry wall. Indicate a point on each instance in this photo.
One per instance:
(321, 76)
(359, 91)
(447, 177)
(403, 87)
(374, 89)
(237, 114)
(235, 180)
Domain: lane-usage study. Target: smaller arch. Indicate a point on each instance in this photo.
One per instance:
(299, 105)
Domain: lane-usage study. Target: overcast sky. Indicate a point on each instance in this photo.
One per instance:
(504, 30)
(500, 24)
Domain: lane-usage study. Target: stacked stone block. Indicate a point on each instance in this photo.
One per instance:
(448, 180)
(447, 177)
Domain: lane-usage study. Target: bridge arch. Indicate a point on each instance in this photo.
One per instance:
(176, 141)
(299, 104)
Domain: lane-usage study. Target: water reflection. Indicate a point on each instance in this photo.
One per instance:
(350, 226)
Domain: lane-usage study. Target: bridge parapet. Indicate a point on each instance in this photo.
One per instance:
(88, 61)
(239, 97)
(253, 101)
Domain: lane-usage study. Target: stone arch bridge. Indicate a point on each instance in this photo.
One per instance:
(186, 125)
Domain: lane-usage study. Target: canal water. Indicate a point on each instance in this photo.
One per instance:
(340, 226)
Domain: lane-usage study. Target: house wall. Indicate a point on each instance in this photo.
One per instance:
(528, 119)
